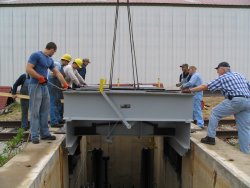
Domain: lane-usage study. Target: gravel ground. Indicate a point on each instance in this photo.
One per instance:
(2, 144)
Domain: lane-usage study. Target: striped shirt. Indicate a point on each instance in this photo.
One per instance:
(231, 84)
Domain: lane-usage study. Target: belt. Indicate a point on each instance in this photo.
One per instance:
(243, 96)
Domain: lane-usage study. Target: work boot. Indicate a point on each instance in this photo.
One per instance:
(56, 126)
(50, 137)
(208, 140)
(35, 141)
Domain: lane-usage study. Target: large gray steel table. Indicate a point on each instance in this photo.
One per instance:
(128, 112)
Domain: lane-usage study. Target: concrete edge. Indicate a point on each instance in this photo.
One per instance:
(31, 164)
(226, 156)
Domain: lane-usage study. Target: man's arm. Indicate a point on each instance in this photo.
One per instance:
(19, 81)
(80, 79)
(60, 77)
(191, 82)
(31, 71)
(199, 88)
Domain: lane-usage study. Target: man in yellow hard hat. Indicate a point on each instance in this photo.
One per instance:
(82, 71)
(71, 74)
(56, 107)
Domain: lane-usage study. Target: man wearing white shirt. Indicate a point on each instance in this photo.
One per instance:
(72, 75)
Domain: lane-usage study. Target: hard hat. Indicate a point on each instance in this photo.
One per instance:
(78, 61)
(66, 57)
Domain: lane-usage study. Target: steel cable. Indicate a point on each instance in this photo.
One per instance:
(114, 43)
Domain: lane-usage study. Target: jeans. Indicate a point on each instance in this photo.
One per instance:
(39, 110)
(24, 108)
(56, 107)
(197, 111)
(240, 108)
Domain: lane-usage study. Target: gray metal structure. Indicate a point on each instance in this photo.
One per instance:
(128, 112)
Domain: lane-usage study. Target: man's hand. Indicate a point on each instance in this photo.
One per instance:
(186, 91)
(178, 85)
(14, 96)
(42, 80)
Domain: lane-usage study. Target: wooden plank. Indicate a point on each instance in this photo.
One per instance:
(18, 95)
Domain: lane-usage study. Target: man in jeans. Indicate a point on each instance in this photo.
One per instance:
(23, 81)
(37, 67)
(236, 90)
(193, 82)
(56, 107)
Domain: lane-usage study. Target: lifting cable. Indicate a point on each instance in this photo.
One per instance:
(132, 47)
(113, 48)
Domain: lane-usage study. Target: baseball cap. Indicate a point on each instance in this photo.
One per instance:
(222, 64)
(184, 65)
(86, 60)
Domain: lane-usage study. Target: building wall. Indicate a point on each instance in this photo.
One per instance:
(165, 37)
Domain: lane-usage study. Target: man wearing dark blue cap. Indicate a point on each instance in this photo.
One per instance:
(184, 76)
(236, 90)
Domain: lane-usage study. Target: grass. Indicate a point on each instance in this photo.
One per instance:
(11, 147)
(14, 113)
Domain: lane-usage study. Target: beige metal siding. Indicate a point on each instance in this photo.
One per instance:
(165, 37)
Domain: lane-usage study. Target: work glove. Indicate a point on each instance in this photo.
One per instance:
(65, 86)
(186, 91)
(42, 80)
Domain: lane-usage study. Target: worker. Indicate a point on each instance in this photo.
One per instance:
(82, 71)
(22, 81)
(196, 80)
(37, 67)
(71, 74)
(56, 107)
(184, 76)
(236, 90)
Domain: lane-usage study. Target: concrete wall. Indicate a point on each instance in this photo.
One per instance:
(204, 166)
(124, 166)
(79, 176)
(44, 165)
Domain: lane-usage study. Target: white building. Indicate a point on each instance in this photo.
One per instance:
(166, 34)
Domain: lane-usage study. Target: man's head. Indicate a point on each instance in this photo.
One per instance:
(184, 68)
(77, 63)
(192, 69)
(65, 59)
(86, 61)
(222, 68)
(50, 49)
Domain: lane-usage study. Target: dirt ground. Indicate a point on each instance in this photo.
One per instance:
(211, 102)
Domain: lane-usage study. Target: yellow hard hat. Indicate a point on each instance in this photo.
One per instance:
(78, 61)
(66, 57)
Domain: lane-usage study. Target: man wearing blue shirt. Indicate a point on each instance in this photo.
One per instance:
(236, 90)
(193, 82)
(37, 67)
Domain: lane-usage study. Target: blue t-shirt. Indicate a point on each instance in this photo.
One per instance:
(42, 63)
